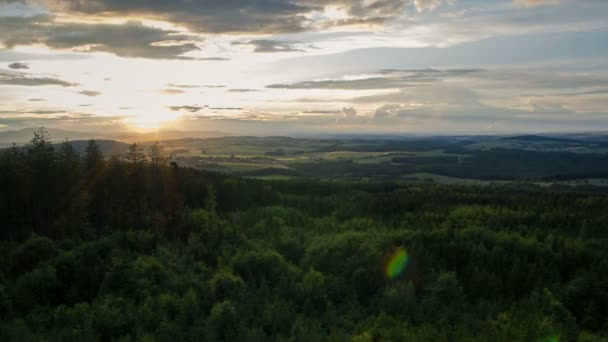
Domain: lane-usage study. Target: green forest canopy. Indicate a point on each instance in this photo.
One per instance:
(133, 249)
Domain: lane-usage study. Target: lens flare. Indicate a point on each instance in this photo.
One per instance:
(397, 263)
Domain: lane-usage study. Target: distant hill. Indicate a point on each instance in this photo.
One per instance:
(540, 138)
(24, 135)
(167, 135)
(107, 147)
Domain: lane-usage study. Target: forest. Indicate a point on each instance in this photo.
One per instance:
(134, 247)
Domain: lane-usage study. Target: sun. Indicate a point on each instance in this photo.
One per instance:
(147, 122)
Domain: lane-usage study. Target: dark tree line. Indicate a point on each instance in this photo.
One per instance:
(130, 248)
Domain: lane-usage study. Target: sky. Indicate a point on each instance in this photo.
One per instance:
(297, 67)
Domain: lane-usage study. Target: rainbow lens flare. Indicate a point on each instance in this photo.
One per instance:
(397, 263)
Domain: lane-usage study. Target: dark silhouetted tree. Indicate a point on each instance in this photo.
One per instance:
(93, 157)
(157, 154)
(135, 155)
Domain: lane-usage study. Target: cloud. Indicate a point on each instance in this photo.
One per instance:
(63, 119)
(244, 16)
(7, 55)
(21, 79)
(130, 39)
(526, 79)
(191, 109)
(89, 93)
(435, 94)
(218, 59)
(18, 65)
(358, 84)
(171, 91)
(226, 108)
(391, 112)
(533, 3)
(242, 90)
(185, 86)
(321, 112)
(550, 108)
(391, 79)
(268, 46)
(420, 73)
(349, 112)
(422, 5)
(35, 112)
(570, 94)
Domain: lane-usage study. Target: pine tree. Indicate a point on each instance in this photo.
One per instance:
(135, 154)
(93, 157)
(157, 154)
(41, 138)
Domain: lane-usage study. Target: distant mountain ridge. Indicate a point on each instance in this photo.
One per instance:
(540, 138)
(107, 147)
(24, 135)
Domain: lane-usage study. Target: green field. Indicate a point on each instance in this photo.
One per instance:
(472, 160)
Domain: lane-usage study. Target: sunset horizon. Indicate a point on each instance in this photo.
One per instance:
(299, 67)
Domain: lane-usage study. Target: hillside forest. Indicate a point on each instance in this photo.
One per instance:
(134, 248)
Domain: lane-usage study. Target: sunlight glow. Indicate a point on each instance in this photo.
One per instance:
(145, 122)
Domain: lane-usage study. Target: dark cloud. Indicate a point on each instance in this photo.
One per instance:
(570, 94)
(44, 112)
(21, 79)
(349, 112)
(377, 21)
(226, 108)
(130, 39)
(244, 16)
(358, 84)
(34, 112)
(36, 100)
(214, 16)
(89, 93)
(321, 112)
(242, 90)
(172, 91)
(185, 86)
(268, 46)
(431, 72)
(191, 109)
(392, 79)
(18, 65)
(219, 59)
